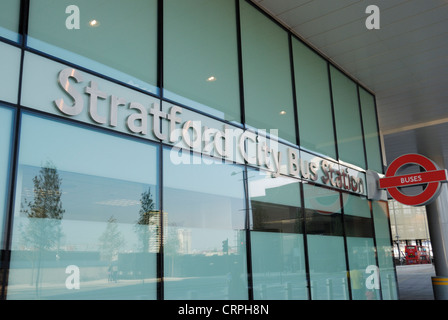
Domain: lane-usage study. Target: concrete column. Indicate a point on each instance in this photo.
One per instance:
(437, 213)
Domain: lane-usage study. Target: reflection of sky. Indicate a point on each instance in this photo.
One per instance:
(258, 188)
(6, 33)
(92, 198)
(89, 202)
(280, 190)
(92, 64)
(203, 195)
(203, 176)
(105, 176)
(194, 209)
(207, 199)
(188, 102)
(102, 176)
(71, 148)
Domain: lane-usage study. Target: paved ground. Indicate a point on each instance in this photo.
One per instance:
(414, 282)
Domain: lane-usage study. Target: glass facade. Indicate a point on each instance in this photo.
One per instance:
(200, 64)
(204, 234)
(325, 238)
(6, 134)
(370, 127)
(360, 248)
(113, 37)
(79, 210)
(277, 238)
(316, 129)
(9, 77)
(382, 238)
(268, 97)
(347, 117)
(161, 150)
(9, 19)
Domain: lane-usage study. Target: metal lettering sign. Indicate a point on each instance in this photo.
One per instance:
(184, 131)
(432, 177)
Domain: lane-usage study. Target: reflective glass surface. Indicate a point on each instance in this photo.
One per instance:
(316, 130)
(86, 215)
(268, 98)
(370, 127)
(277, 246)
(10, 71)
(347, 118)
(364, 273)
(9, 19)
(200, 56)
(328, 271)
(384, 250)
(117, 38)
(6, 125)
(204, 236)
(86, 98)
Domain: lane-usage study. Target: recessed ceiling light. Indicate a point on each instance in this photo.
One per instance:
(282, 112)
(94, 23)
(211, 79)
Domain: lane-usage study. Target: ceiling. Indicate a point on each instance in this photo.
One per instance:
(405, 62)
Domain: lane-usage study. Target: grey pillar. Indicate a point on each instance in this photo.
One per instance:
(437, 213)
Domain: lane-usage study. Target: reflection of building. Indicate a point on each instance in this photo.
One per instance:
(409, 226)
(154, 228)
(184, 238)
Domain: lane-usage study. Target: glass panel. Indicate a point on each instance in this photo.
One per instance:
(9, 19)
(275, 203)
(358, 227)
(278, 266)
(384, 250)
(267, 74)
(313, 100)
(363, 273)
(364, 277)
(326, 250)
(347, 117)
(10, 72)
(371, 136)
(323, 211)
(86, 216)
(328, 273)
(204, 219)
(203, 134)
(201, 56)
(278, 253)
(117, 38)
(356, 206)
(6, 125)
(86, 98)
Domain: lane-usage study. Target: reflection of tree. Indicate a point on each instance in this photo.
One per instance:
(147, 230)
(111, 240)
(43, 230)
(147, 217)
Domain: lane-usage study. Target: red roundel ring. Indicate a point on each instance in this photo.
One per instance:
(431, 190)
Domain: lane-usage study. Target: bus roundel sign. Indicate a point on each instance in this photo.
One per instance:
(432, 177)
